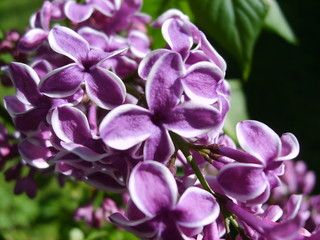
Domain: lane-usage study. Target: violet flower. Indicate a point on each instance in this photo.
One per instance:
(129, 125)
(255, 174)
(72, 128)
(40, 27)
(102, 86)
(29, 108)
(156, 212)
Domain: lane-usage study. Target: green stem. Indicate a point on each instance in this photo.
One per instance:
(183, 146)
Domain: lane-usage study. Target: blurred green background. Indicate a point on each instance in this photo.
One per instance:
(282, 91)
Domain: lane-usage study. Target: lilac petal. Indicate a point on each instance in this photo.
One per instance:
(163, 87)
(292, 206)
(26, 81)
(290, 147)
(262, 198)
(29, 121)
(78, 12)
(141, 227)
(105, 7)
(105, 182)
(171, 13)
(83, 152)
(62, 82)
(242, 181)
(73, 99)
(190, 231)
(126, 126)
(124, 66)
(148, 198)
(41, 67)
(286, 230)
(142, 17)
(139, 43)
(45, 15)
(105, 88)
(171, 232)
(13, 105)
(132, 212)
(201, 82)
(191, 119)
(70, 124)
(32, 39)
(259, 140)
(177, 36)
(67, 42)
(196, 208)
(148, 62)
(196, 56)
(158, 146)
(95, 38)
(273, 213)
(211, 232)
(34, 155)
(98, 56)
(212, 53)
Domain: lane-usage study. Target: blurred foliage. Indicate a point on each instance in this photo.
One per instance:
(15, 14)
(49, 216)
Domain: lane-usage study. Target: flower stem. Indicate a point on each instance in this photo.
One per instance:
(183, 146)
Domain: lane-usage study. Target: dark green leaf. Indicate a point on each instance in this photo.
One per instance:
(234, 24)
(276, 22)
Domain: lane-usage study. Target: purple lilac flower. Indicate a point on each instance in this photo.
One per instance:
(137, 44)
(129, 125)
(156, 213)
(253, 176)
(72, 128)
(181, 34)
(103, 87)
(29, 108)
(40, 26)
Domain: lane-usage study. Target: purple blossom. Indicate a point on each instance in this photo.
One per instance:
(156, 213)
(40, 27)
(29, 108)
(103, 86)
(129, 125)
(72, 128)
(251, 178)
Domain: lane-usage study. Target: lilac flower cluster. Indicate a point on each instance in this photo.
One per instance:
(94, 103)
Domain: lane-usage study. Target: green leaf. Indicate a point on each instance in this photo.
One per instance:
(276, 22)
(238, 108)
(234, 24)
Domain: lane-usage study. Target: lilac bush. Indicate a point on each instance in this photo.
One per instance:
(94, 103)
